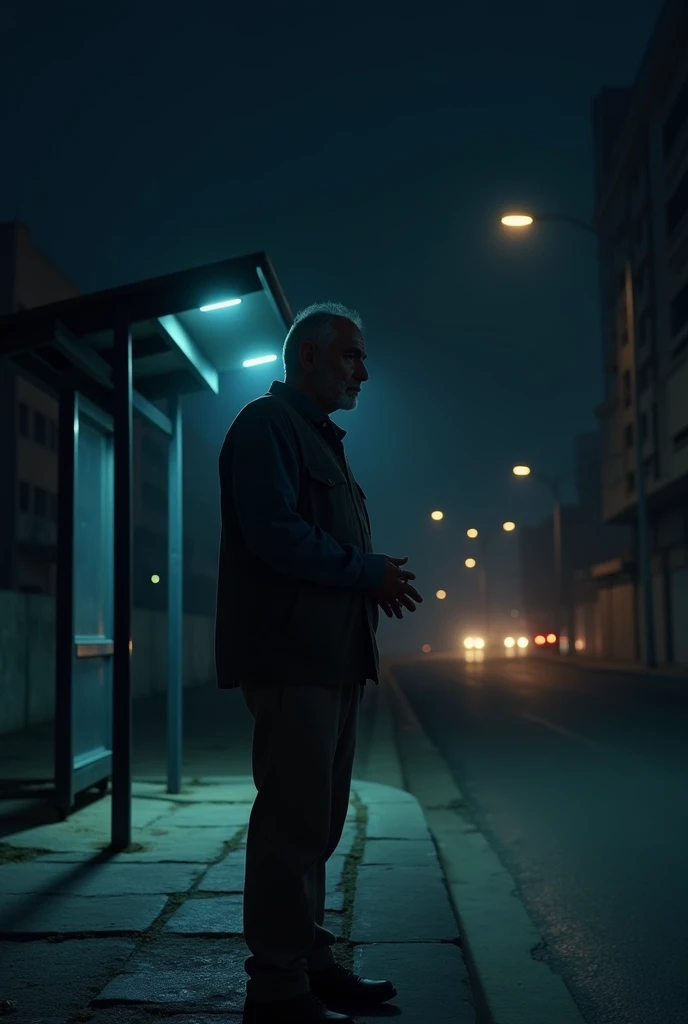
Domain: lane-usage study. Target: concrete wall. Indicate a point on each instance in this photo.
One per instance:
(27, 656)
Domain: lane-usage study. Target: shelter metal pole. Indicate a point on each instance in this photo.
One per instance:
(122, 712)
(175, 609)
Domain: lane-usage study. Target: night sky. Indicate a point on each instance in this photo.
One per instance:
(370, 149)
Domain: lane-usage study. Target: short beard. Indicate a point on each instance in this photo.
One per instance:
(333, 391)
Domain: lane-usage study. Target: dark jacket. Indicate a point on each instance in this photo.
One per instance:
(296, 563)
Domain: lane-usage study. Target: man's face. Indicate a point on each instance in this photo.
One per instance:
(339, 372)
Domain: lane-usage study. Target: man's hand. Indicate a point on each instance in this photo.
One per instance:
(396, 591)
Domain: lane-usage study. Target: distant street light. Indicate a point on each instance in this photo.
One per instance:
(555, 491)
(508, 527)
(437, 515)
(441, 594)
(644, 556)
(472, 533)
(470, 563)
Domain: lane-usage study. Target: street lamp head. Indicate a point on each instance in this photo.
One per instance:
(441, 594)
(517, 220)
(437, 515)
(521, 471)
(509, 527)
(470, 563)
(472, 533)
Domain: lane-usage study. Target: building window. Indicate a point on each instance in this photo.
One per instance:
(676, 119)
(53, 508)
(24, 496)
(628, 435)
(23, 419)
(40, 428)
(630, 482)
(677, 206)
(627, 396)
(40, 502)
(52, 435)
(679, 311)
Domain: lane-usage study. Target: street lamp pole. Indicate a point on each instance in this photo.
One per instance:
(643, 529)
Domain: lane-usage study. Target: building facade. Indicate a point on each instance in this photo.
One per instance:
(29, 466)
(641, 157)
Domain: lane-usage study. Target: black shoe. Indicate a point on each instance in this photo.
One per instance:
(338, 986)
(305, 1008)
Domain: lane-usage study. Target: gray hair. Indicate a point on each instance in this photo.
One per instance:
(316, 323)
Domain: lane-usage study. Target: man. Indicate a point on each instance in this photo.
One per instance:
(299, 592)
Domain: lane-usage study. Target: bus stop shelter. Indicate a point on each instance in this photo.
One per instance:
(107, 356)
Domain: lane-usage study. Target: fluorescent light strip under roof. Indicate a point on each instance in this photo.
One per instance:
(220, 305)
(259, 360)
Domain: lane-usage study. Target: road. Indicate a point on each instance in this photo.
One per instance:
(579, 780)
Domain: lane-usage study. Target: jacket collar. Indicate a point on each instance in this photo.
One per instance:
(306, 406)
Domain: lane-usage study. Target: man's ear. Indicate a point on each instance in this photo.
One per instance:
(307, 354)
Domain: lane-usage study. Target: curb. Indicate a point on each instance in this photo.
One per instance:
(512, 983)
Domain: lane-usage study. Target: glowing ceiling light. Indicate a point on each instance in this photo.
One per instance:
(259, 360)
(220, 305)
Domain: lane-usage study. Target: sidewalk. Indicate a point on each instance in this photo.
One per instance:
(157, 930)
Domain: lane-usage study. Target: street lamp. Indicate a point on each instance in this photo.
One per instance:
(437, 515)
(471, 563)
(555, 490)
(523, 220)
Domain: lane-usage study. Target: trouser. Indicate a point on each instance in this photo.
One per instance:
(304, 738)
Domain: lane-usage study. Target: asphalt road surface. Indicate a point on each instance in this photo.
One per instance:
(579, 779)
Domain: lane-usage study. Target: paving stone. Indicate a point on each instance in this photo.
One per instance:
(172, 846)
(379, 793)
(210, 915)
(69, 915)
(396, 821)
(181, 975)
(52, 980)
(96, 879)
(216, 815)
(402, 904)
(430, 978)
(334, 923)
(228, 875)
(400, 851)
(349, 835)
(233, 789)
(334, 896)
